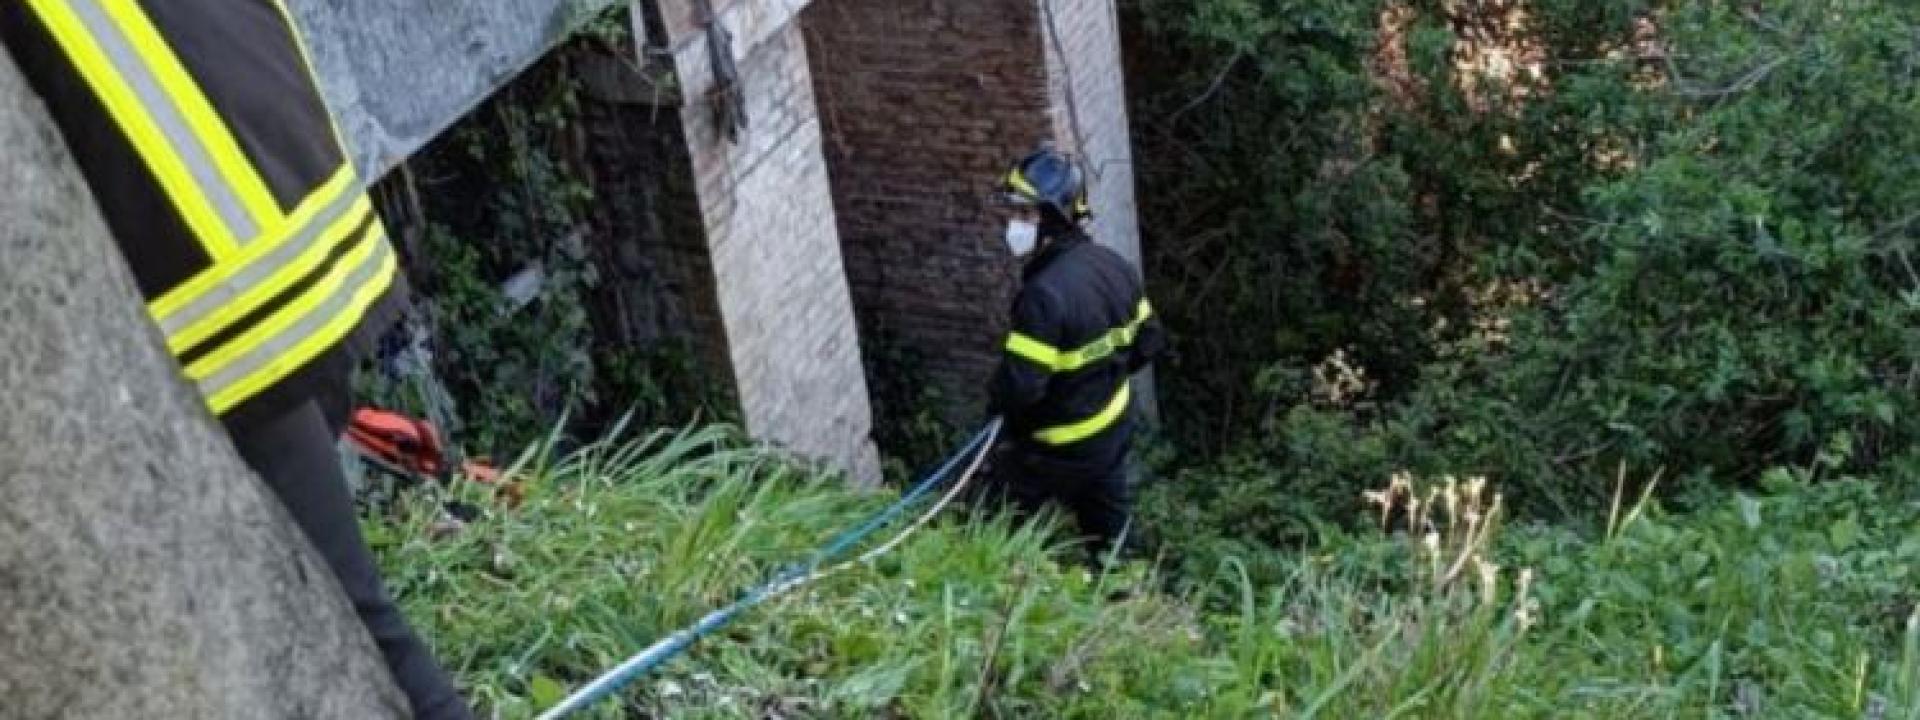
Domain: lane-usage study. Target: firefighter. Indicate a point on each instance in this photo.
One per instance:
(1081, 328)
(214, 160)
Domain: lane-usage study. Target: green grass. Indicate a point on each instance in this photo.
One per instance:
(1794, 603)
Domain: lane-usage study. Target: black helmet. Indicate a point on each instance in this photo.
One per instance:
(1049, 180)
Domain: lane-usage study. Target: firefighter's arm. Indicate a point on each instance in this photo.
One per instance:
(1151, 344)
(1028, 356)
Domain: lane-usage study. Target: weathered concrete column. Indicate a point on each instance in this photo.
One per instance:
(1086, 86)
(770, 224)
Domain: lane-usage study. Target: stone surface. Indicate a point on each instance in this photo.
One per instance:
(656, 281)
(397, 72)
(145, 572)
(1087, 87)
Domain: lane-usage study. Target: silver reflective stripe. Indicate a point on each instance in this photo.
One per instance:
(259, 269)
(167, 116)
(308, 324)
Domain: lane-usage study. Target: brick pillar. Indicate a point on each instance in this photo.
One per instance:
(769, 217)
(925, 103)
(656, 286)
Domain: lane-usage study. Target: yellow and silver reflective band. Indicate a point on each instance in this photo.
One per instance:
(302, 329)
(230, 290)
(1073, 433)
(1057, 360)
(169, 121)
(1019, 183)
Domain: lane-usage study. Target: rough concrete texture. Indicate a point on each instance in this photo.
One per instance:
(925, 103)
(768, 213)
(145, 572)
(1088, 81)
(397, 72)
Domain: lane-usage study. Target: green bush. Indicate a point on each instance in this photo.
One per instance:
(1684, 242)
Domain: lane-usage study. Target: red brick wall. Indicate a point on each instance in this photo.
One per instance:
(923, 103)
(656, 281)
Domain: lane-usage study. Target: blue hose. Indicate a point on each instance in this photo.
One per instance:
(668, 647)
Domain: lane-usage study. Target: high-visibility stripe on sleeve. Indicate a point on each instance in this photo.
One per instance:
(157, 132)
(211, 133)
(225, 292)
(298, 332)
(1076, 432)
(1039, 353)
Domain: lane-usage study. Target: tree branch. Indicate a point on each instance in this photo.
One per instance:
(1219, 79)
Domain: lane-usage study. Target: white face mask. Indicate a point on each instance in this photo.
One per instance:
(1021, 237)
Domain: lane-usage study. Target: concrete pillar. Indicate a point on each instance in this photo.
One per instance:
(769, 217)
(1086, 88)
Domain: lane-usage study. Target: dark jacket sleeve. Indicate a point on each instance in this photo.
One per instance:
(1020, 381)
(1149, 346)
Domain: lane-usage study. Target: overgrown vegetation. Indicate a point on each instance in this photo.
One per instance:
(1552, 237)
(505, 270)
(1796, 601)
(1644, 263)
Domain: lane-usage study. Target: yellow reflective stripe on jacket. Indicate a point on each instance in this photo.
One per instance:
(105, 59)
(1038, 352)
(1073, 433)
(279, 287)
(1057, 360)
(302, 329)
(208, 129)
(228, 291)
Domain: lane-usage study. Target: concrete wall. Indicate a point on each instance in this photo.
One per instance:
(1087, 88)
(769, 216)
(398, 72)
(925, 102)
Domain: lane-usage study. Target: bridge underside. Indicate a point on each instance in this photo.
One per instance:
(836, 153)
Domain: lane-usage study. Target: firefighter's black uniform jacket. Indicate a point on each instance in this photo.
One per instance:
(1082, 326)
(215, 162)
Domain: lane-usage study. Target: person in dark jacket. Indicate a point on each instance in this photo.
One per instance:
(216, 164)
(1081, 328)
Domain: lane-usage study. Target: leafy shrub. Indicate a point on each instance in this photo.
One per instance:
(1680, 237)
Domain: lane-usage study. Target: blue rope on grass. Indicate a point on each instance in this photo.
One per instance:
(665, 649)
